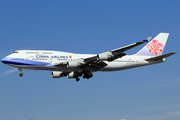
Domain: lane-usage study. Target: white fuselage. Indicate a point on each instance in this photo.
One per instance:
(76, 65)
(44, 60)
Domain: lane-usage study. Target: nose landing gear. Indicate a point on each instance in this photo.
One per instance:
(20, 74)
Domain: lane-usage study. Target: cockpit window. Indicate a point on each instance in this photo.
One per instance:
(15, 52)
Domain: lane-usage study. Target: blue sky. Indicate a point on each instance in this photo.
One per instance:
(93, 26)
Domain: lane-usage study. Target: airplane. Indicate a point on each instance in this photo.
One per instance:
(76, 65)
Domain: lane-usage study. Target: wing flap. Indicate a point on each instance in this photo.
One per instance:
(94, 66)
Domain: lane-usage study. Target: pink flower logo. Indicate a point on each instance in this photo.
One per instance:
(70, 56)
(155, 47)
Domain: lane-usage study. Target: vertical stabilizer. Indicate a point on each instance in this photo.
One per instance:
(156, 46)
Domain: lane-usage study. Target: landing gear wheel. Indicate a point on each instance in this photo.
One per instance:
(21, 74)
(87, 76)
(77, 79)
(90, 75)
(84, 76)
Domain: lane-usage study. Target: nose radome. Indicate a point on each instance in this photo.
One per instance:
(4, 60)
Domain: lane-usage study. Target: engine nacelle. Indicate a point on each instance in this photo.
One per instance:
(74, 75)
(109, 56)
(58, 74)
(105, 56)
(71, 75)
(72, 64)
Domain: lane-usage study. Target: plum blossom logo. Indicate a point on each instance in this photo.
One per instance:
(155, 47)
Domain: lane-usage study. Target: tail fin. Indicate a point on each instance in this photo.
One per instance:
(156, 46)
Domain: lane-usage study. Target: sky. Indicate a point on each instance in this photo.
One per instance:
(89, 26)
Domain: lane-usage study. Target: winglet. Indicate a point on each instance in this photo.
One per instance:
(147, 39)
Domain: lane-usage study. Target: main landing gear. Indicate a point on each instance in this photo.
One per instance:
(88, 75)
(85, 76)
(20, 74)
(77, 79)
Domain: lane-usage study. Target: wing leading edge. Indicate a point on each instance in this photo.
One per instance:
(116, 53)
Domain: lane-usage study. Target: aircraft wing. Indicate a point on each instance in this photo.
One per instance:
(123, 49)
(116, 53)
(96, 62)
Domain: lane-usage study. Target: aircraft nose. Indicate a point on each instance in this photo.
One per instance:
(4, 60)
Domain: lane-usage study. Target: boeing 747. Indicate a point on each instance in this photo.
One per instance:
(76, 65)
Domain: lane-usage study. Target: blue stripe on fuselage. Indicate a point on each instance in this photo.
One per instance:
(17, 61)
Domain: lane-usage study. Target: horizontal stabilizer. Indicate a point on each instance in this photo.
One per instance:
(161, 56)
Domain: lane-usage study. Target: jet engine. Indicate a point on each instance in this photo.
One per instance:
(105, 56)
(72, 64)
(109, 56)
(58, 74)
(74, 75)
(71, 75)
